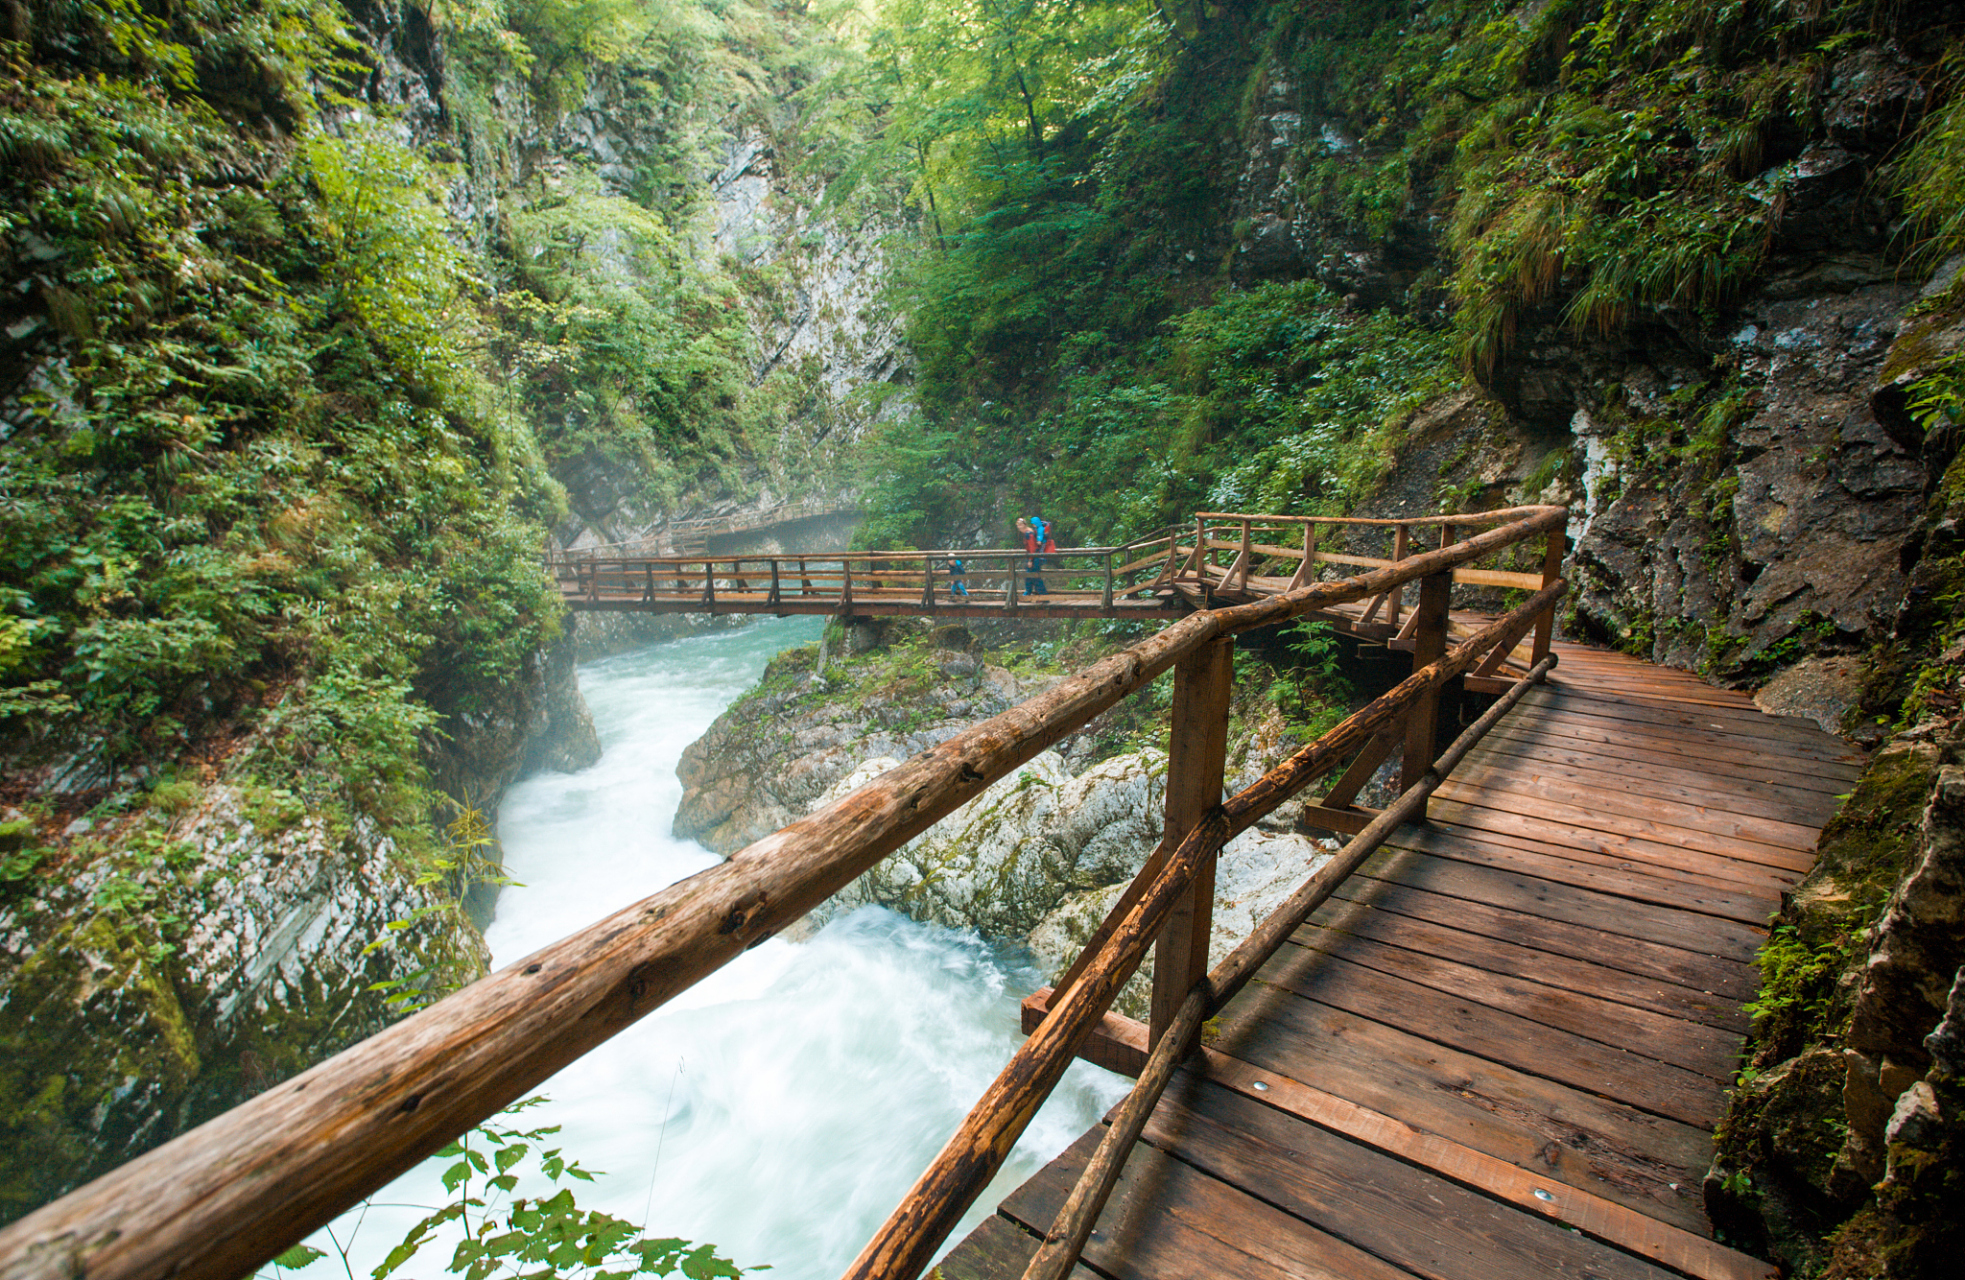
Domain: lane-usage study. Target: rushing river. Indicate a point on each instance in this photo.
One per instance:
(781, 1108)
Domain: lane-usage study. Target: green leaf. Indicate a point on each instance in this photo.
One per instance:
(297, 1257)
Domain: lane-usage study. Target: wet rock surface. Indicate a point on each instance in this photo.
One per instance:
(193, 967)
(1036, 859)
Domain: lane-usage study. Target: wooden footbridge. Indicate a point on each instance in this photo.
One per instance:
(1488, 1038)
(1223, 558)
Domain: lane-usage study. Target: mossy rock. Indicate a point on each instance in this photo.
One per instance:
(1770, 1185)
(92, 1027)
(1867, 846)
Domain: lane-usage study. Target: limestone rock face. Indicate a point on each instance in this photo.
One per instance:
(1908, 986)
(1799, 535)
(1042, 856)
(189, 969)
(1003, 861)
(1037, 858)
(771, 758)
(563, 739)
(1256, 871)
(1281, 232)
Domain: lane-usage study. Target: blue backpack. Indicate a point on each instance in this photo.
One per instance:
(1041, 530)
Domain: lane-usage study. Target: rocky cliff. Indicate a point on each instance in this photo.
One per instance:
(1755, 496)
(1744, 480)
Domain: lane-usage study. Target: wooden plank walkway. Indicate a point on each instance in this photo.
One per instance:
(1501, 1050)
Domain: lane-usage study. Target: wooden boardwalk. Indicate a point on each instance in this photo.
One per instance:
(1501, 1050)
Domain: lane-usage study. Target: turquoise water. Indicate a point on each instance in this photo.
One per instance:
(781, 1108)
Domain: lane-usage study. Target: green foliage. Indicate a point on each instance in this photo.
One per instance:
(261, 473)
(1289, 387)
(20, 855)
(1798, 980)
(1592, 162)
(1931, 176)
(536, 1236)
(389, 252)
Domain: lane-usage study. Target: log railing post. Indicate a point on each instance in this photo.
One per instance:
(1307, 571)
(1197, 757)
(1105, 596)
(1401, 544)
(1552, 554)
(1242, 561)
(776, 594)
(1428, 643)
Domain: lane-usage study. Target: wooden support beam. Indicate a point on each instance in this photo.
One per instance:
(1116, 1042)
(1428, 643)
(1211, 992)
(1309, 565)
(1376, 752)
(1552, 554)
(1401, 544)
(1197, 757)
(1345, 822)
(775, 596)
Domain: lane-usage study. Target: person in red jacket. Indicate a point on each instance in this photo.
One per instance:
(1037, 544)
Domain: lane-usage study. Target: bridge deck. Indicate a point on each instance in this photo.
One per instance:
(1519, 1019)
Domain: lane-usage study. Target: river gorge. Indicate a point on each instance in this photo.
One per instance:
(780, 1109)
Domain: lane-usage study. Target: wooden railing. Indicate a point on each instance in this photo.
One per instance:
(990, 575)
(221, 1200)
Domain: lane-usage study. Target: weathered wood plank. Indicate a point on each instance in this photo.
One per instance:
(1696, 856)
(1500, 1036)
(1487, 978)
(1554, 736)
(1504, 955)
(1170, 1221)
(1697, 806)
(1723, 834)
(1584, 1140)
(1598, 768)
(1433, 866)
(1707, 976)
(1594, 1215)
(997, 1249)
(1615, 877)
(1705, 724)
(1411, 1218)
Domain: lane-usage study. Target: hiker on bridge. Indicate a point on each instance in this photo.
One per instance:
(957, 581)
(1036, 543)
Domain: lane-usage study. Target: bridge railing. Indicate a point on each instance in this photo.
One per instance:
(997, 576)
(1231, 550)
(221, 1200)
